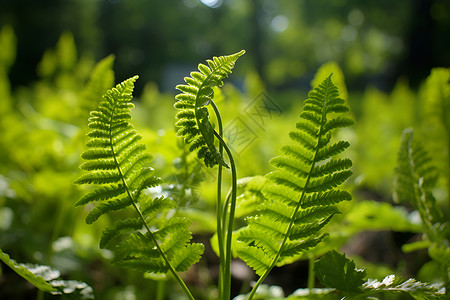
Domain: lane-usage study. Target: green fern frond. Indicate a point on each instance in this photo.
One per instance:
(193, 118)
(302, 193)
(415, 176)
(118, 166)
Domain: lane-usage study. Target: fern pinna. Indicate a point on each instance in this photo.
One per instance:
(301, 194)
(193, 118)
(119, 167)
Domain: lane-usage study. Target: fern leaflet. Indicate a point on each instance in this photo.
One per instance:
(119, 167)
(301, 194)
(193, 118)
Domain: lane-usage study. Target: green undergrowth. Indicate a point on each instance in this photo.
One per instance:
(173, 196)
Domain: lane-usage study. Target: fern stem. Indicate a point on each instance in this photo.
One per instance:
(150, 233)
(160, 290)
(40, 295)
(229, 231)
(310, 272)
(219, 204)
(258, 283)
(224, 210)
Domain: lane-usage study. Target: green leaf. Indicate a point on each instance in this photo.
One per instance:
(28, 273)
(415, 246)
(336, 271)
(394, 284)
(375, 215)
(440, 252)
(313, 294)
(47, 279)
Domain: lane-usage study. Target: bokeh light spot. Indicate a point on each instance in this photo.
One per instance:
(349, 33)
(212, 3)
(280, 23)
(356, 17)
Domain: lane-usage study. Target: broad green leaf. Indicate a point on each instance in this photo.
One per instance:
(28, 272)
(47, 279)
(394, 284)
(336, 271)
(373, 215)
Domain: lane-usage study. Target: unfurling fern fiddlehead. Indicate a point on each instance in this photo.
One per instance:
(197, 131)
(119, 167)
(193, 118)
(302, 192)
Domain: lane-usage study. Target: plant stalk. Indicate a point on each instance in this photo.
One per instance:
(160, 290)
(229, 231)
(219, 209)
(311, 276)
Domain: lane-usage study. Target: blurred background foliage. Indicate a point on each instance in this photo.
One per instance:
(58, 57)
(373, 42)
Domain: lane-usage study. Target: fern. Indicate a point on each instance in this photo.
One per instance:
(119, 167)
(302, 192)
(415, 178)
(193, 118)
